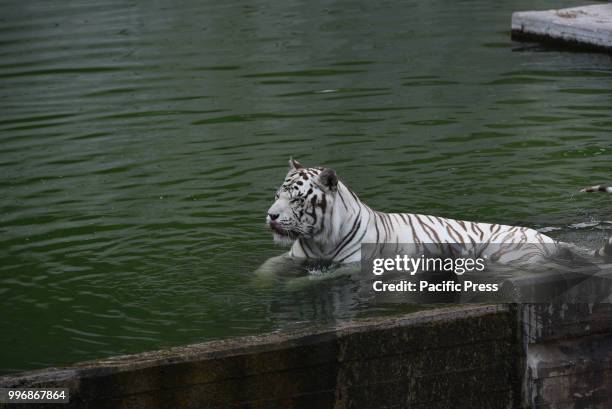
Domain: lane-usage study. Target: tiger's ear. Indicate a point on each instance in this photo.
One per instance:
(294, 164)
(329, 179)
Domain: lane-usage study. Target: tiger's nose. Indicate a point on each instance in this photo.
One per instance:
(273, 216)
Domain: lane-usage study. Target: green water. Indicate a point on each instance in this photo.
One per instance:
(141, 144)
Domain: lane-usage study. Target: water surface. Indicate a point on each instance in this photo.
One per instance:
(141, 144)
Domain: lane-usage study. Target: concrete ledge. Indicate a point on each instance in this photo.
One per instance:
(480, 356)
(587, 27)
(457, 357)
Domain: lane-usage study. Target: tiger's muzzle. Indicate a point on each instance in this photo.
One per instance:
(278, 229)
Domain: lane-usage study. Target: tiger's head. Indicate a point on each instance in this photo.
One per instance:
(300, 205)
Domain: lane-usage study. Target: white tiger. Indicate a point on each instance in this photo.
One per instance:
(323, 219)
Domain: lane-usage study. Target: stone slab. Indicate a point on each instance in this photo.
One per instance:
(423, 359)
(587, 26)
(476, 356)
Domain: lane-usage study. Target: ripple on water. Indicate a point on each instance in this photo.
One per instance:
(142, 144)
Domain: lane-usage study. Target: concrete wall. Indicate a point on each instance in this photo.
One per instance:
(568, 350)
(460, 358)
(584, 27)
(500, 356)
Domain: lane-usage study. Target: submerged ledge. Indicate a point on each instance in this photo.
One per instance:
(485, 356)
(587, 27)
